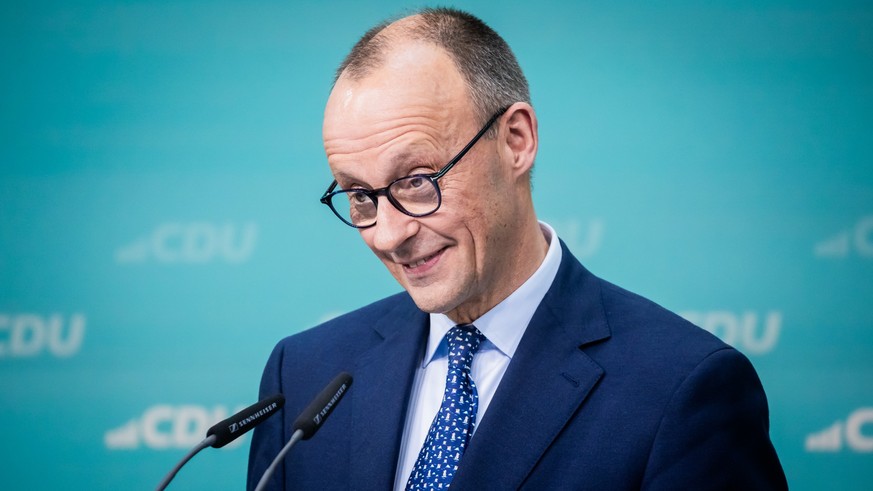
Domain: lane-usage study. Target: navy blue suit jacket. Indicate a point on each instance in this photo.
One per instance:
(606, 391)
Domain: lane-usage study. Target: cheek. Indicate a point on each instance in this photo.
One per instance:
(475, 207)
(480, 210)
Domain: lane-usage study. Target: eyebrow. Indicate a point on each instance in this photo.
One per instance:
(402, 162)
(409, 159)
(342, 176)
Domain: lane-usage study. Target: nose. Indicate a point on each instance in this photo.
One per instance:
(393, 228)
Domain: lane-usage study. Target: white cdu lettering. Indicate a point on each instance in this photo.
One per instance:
(864, 237)
(155, 423)
(743, 331)
(194, 243)
(584, 242)
(839, 435)
(32, 334)
(857, 239)
(855, 437)
(165, 426)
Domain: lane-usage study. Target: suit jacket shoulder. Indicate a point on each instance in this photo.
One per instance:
(608, 390)
(345, 336)
(379, 345)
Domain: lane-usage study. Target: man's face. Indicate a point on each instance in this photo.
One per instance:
(411, 116)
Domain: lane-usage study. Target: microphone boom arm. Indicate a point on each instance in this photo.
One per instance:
(209, 440)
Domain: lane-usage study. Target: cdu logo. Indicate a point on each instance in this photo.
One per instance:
(841, 434)
(163, 427)
(192, 243)
(30, 335)
(858, 239)
(583, 239)
(749, 332)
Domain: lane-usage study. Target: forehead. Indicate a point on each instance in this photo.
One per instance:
(416, 86)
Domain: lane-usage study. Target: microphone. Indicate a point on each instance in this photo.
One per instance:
(242, 422)
(310, 420)
(229, 430)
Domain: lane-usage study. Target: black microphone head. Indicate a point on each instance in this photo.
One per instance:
(237, 425)
(311, 419)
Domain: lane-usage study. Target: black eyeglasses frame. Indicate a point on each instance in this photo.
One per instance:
(327, 197)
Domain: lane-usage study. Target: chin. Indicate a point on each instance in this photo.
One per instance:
(431, 302)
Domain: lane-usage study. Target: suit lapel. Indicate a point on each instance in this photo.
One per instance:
(382, 381)
(547, 380)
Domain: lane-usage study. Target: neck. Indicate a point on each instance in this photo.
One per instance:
(527, 255)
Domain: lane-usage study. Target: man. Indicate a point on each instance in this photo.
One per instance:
(504, 364)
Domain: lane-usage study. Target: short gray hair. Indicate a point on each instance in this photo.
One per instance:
(493, 76)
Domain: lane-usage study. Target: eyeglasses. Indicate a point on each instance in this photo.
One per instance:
(417, 195)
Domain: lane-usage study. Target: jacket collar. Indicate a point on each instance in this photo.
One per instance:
(383, 375)
(549, 365)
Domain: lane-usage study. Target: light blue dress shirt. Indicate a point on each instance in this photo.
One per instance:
(503, 327)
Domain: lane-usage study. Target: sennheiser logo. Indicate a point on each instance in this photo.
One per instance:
(750, 332)
(192, 243)
(234, 427)
(857, 239)
(29, 335)
(849, 434)
(583, 240)
(164, 427)
(326, 409)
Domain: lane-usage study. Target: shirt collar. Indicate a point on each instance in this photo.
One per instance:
(504, 325)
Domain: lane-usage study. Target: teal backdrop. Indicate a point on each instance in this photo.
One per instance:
(160, 229)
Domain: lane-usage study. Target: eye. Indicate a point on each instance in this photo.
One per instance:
(411, 184)
(358, 198)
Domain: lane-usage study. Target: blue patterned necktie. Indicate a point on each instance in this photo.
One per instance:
(454, 422)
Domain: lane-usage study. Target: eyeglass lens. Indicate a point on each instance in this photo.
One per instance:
(414, 195)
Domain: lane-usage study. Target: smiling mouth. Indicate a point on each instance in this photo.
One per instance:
(422, 264)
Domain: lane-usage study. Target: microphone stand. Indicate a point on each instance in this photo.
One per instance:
(275, 464)
(209, 440)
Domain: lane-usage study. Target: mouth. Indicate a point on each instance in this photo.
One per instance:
(424, 264)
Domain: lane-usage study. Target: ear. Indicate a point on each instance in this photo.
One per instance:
(520, 137)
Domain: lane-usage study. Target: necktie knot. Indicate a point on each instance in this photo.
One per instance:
(463, 341)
